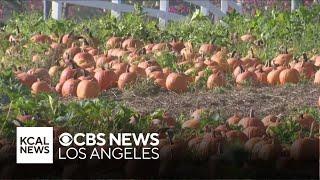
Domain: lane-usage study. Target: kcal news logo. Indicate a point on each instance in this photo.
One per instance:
(34, 145)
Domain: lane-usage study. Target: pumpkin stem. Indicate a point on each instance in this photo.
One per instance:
(233, 54)
(252, 53)
(170, 134)
(60, 39)
(305, 57)
(311, 129)
(286, 50)
(241, 69)
(70, 34)
(251, 115)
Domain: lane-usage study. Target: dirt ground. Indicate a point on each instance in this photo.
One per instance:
(264, 100)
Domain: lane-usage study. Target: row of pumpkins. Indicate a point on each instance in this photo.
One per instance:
(87, 72)
(255, 135)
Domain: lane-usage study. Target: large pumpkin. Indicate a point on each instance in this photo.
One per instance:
(88, 89)
(84, 60)
(69, 88)
(126, 79)
(105, 78)
(177, 82)
(289, 75)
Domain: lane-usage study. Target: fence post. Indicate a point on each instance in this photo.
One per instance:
(116, 13)
(57, 10)
(224, 6)
(164, 6)
(295, 4)
(46, 9)
(240, 6)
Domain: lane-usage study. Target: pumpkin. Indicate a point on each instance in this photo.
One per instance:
(67, 73)
(26, 79)
(216, 80)
(114, 42)
(68, 39)
(53, 70)
(306, 148)
(131, 43)
(84, 60)
(161, 47)
(177, 82)
(177, 46)
(253, 131)
(248, 38)
(306, 120)
(191, 124)
(40, 87)
(273, 76)
(283, 59)
(233, 120)
(41, 73)
(126, 79)
(40, 38)
(187, 54)
(249, 145)
(160, 82)
(233, 62)
(151, 69)
(197, 114)
(251, 121)
(317, 78)
(88, 89)
(58, 87)
(207, 49)
(101, 61)
(262, 76)
(71, 52)
(268, 120)
(317, 61)
(245, 76)
(69, 87)
(223, 128)
(172, 151)
(138, 70)
(289, 75)
(235, 136)
(269, 151)
(105, 78)
(156, 75)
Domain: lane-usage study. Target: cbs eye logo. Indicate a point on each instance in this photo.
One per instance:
(65, 139)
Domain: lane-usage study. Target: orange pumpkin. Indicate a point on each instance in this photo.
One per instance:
(88, 89)
(245, 76)
(40, 87)
(251, 121)
(84, 60)
(69, 87)
(289, 75)
(207, 49)
(177, 82)
(105, 78)
(317, 78)
(273, 76)
(126, 79)
(216, 80)
(261, 76)
(26, 79)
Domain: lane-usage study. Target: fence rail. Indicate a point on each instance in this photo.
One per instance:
(117, 7)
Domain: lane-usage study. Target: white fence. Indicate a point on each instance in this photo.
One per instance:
(117, 7)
